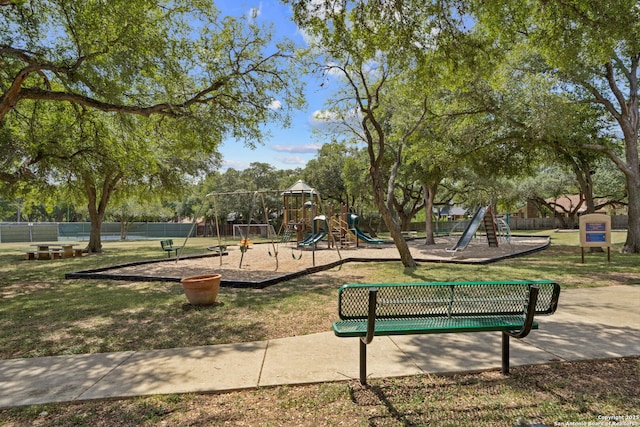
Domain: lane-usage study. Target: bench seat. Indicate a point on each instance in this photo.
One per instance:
(55, 253)
(388, 309)
(430, 325)
(167, 246)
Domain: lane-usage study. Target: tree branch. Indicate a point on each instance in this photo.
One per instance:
(165, 109)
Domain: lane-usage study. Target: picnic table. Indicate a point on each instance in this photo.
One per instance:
(53, 251)
(68, 251)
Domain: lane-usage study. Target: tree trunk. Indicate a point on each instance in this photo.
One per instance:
(632, 244)
(583, 170)
(629, 124)
(628, 119)
(123, 229)
(97, 205)
(95, 242)
(429, 196)
(387, 216)
(631, 170)
(405, 222)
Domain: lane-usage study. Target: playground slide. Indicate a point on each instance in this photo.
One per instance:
(471, 229)
(365, 237)
(352, 221)
(313, 239)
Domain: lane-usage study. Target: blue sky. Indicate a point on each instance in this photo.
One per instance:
(286, 148)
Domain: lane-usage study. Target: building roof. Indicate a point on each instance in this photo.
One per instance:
(453, 211)
(565, 204)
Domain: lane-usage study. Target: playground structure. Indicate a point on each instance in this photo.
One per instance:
(319, 230)
(340, 230)
(495, 229)
(301, 206)
(301, 216)
(352, 223)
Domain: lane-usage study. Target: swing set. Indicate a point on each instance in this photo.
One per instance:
(243, 230)
(300, 203)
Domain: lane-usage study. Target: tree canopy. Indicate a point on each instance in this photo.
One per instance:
(138, 95)
(132, 95)
(180, 60)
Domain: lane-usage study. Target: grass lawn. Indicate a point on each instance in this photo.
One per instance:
(43, 314)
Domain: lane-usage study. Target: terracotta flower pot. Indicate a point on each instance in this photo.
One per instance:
(201, 290)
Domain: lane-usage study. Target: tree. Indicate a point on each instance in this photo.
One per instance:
(137, 210)
(103, 158)
(176, 60)
(546, 187)
(595, 48)
(176, 69)
(259, 176)
(267, 203)
(370, 45)
(355, 175)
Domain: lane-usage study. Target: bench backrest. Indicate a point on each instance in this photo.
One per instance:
(446, 299)
(166, 243)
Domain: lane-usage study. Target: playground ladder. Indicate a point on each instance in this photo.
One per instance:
(286, 236)
(346, 236)
(490, 228)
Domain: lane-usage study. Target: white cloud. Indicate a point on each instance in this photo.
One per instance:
(234, 164)
(322, 9)
(332, 69)
(327, 119)
(324, 120)
(292, 160)
(275, 105)
(322, 117)
(304, 148)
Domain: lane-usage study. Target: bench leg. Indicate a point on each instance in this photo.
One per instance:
(363, 362)
(505, 353)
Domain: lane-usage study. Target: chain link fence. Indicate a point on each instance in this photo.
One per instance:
(80, 231)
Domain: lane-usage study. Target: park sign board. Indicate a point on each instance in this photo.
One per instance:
(595, 232)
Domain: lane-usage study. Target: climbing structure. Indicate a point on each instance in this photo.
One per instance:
(490, 228)
(484, 216)
(301, 205)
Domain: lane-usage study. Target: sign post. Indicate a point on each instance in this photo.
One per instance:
(595, 232)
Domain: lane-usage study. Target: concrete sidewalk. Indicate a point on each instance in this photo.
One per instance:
(590, 323)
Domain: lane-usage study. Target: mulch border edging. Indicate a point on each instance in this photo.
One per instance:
(261, 284)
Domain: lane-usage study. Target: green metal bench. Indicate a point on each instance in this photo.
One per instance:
(367, 310)
(167, 246)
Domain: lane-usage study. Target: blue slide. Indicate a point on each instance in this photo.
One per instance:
(313, 239)
(471, 229)
(365, 237)
(352, 222)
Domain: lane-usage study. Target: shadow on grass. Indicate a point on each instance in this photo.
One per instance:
(78, 317)
(532, 395)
